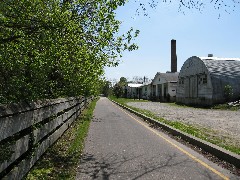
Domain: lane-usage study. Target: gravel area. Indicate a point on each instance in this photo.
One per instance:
(222, 122)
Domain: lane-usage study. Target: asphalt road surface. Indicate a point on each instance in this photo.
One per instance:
(121, 146)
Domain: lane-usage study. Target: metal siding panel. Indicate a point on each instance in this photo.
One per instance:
(186, 86)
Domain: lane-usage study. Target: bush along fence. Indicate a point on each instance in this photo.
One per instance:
(28, 129)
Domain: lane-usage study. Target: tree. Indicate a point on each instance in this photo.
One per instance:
(105, 88)
(123, 81)
(137, 79)
(57, 48)
(119, 87)
(140, 80)
(226, 5)
(118, 90)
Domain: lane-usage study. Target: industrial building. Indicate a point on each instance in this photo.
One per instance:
(204, 80)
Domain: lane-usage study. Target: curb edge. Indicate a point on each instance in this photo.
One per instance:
(206, 146)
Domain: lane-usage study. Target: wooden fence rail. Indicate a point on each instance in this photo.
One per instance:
(28, 129)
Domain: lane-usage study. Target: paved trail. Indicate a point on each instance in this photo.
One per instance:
(121, 146)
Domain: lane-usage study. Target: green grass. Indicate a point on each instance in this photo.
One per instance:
(62, 158)
(224, 106)
(180, 105)
(125, 100)
(197, 131)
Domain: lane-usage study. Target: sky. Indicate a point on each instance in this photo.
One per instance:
(196, 33)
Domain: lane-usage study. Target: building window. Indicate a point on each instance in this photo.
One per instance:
(202, 79)
(181, 81)
(205, 79)
(159, 79)
(199, 80)
(145, 88)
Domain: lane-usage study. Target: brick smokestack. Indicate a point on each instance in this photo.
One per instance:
(173, 56)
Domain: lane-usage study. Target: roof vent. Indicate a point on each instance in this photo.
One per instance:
(210, 55)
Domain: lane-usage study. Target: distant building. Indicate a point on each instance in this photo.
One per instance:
(164, 86)
(146, 90)
(203, 80)
(133, 90)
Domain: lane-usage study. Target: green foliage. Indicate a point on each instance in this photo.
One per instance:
(6, 151)
(118, 89)
(184, 5)
(226, 106)
(123, 81)
(105, 88)
(57, 48)
(228, 92)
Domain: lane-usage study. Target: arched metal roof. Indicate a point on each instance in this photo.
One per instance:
(229, 67)
(221, 71)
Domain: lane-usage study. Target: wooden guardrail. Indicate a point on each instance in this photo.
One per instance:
(28, 129)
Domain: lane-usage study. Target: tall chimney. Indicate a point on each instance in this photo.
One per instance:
(173, 56)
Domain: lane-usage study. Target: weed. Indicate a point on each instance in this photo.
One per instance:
(60, 161)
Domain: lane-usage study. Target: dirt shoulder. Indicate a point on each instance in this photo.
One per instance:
(223, 123)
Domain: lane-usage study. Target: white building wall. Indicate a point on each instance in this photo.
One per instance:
(194, 82)
(172, 87)
(162, 88)
(146, 91)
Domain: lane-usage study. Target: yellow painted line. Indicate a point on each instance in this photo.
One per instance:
(176, 146)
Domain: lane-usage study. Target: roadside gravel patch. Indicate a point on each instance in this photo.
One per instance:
(224, 123)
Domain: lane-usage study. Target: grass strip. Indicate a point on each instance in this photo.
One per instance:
(206, 134)
(60, 161)
(224, 106)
